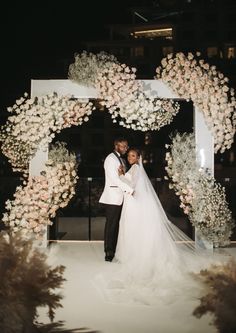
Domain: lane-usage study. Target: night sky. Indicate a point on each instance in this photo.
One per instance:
(54, 27)
(36, 36)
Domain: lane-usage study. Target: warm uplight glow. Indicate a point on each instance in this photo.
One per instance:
(231, 53)
(152, 33)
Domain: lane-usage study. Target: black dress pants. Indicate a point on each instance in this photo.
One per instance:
(113, 213)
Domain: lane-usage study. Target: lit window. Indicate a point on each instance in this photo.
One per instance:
(166, 50)
(231, 52)
(153, 33)
(212, 51)
(138, 51)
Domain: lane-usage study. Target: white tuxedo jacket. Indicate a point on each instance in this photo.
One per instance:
(113, 193)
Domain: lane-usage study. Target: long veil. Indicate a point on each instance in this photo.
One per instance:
(175, 234)
(155, 258)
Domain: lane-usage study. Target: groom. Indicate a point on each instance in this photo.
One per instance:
(113, 195)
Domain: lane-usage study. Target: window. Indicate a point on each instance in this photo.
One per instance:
(212, 51)
(120, 51)
(137, 51)
(117, 51)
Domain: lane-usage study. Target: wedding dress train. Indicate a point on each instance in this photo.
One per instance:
(155, 259)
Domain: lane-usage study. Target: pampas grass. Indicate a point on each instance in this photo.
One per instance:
(220, 297)
(27, 282)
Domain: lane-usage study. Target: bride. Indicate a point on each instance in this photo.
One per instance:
(154, 257)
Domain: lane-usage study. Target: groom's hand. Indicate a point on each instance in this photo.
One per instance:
(121, 170)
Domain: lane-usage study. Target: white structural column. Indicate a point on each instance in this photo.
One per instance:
(62, 88)
(204, 142)
(205, 157)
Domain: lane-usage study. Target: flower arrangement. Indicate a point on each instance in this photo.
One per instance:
(193, 79)
(87, 67)
(219, 297)
(121, 93)
(41, 196)
(201, 197)
(33, 124)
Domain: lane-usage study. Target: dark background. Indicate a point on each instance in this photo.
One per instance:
(39, 38)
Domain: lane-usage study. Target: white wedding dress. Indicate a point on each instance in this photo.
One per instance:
(155, 259)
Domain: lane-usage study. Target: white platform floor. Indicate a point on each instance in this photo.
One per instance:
(83, 306)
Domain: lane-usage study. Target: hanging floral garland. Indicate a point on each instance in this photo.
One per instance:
(193, 79)
(201, 197)
(37, 201)
(33, 124)
(121, 93)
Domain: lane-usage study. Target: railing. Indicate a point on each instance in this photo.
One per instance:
(84, 217)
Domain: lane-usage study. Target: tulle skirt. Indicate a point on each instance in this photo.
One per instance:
(155, 260)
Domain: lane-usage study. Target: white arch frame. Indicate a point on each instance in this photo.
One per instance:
(203, 136)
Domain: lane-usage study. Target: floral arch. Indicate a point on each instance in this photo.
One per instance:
(138, 104)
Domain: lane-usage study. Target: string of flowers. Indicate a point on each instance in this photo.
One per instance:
(37, 201)
(201, 197)
(193, 79)
(33, 124)
(120, 92)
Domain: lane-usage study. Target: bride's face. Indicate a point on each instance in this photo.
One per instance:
(132, 157)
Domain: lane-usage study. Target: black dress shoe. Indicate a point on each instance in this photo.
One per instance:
(108, 258)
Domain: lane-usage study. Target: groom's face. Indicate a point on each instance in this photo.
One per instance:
(122, 147)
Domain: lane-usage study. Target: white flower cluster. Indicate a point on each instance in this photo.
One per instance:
(122, 94)
(202, 199)
(193, 79)
(87, 66)
(211, 212)
(34, 123)
(41, 196)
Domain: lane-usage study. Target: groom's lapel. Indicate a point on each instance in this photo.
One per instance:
(121, 160)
